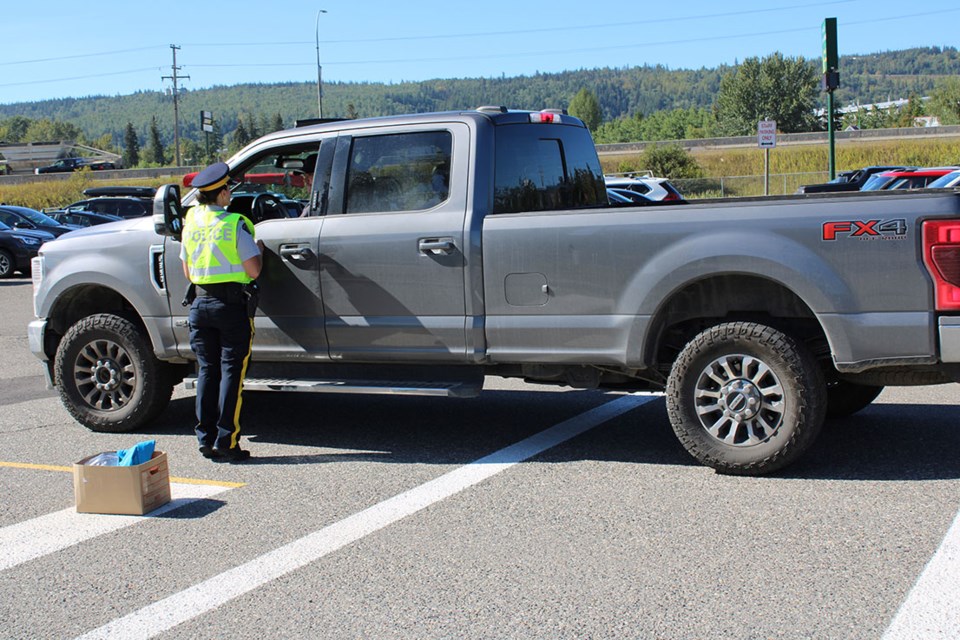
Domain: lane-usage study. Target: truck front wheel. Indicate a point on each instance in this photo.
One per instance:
(108, 378)
(745, 398)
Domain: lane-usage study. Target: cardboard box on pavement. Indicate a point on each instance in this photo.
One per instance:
(133, 490)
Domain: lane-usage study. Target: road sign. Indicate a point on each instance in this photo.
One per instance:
(206, 121)
(767, 134)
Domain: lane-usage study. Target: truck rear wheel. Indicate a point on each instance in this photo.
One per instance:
(745, 398)
(108, 378)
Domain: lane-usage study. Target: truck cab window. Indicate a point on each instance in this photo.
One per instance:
(398, 172)
(276, 185)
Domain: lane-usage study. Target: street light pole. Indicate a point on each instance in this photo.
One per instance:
(319, 71)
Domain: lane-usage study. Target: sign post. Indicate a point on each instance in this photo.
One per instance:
(766, 140)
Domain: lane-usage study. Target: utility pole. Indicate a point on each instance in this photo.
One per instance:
(176, 98)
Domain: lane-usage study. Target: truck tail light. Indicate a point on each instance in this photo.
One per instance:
(941, 255)
(547, 116)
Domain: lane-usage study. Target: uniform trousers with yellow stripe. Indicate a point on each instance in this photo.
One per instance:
(221, 333)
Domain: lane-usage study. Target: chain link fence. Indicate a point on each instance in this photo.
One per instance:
(741, 186)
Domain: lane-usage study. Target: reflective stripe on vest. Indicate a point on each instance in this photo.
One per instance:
(210, 241)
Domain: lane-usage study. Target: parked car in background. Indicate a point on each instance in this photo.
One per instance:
(905, 179)
(26, 218)
(652, 188)
(18, 247)
(67, 165)
(849, 180)
(81, 218)
(125, 202)
(951, 179)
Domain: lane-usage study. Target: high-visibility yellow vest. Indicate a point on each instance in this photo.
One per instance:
(210, 240)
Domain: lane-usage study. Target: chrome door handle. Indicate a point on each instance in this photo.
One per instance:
(293, 252)
(436, 246)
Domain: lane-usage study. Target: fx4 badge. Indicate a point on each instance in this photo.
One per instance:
(866, 229)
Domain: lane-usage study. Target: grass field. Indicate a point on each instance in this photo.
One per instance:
(739, 171)
(50, 194)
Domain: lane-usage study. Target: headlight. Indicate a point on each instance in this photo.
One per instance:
(29, 241)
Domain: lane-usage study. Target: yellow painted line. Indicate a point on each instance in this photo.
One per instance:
(51, 467)
(41, 467)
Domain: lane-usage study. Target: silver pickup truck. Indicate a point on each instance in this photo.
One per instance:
(433, 250)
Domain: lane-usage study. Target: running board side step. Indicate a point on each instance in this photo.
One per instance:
(386, 387)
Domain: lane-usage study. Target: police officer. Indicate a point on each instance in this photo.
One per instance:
(221, 258)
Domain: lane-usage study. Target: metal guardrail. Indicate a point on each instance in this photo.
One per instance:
(786, 139)
(100, 176)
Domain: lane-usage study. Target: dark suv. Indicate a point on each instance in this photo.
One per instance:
(18, 247)
(26, 218)
(125, 202)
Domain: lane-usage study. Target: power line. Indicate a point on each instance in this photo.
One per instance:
(486, 34)
(77, 56)
(543, 52)
(85, 77)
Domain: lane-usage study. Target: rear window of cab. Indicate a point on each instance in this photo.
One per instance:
(542, 167)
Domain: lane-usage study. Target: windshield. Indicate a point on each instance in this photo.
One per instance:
(36, 217)
(945, 181)
(876, 182)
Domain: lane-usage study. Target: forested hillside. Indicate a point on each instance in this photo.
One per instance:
(621, 92)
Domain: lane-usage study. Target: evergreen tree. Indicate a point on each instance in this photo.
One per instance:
(240, 136)
(215, 141)
(586, 107)
(131, 147)
(252, 129)
(156, 146)
(277, 123)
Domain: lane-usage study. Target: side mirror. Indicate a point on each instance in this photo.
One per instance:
(167, 212)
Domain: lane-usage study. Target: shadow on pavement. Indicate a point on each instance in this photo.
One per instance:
(887, 442)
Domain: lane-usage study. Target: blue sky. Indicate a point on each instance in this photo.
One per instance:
(57, 49)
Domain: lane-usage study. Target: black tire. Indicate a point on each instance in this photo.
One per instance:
(746, 399)
(846, 398)
(7, 264)
(108, 378)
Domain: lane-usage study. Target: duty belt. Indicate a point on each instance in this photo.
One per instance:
(231, 292)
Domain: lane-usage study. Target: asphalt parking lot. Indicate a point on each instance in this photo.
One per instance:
(530, 512)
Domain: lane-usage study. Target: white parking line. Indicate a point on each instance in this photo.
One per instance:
(213, 592)
(932, 608)
(34, 538)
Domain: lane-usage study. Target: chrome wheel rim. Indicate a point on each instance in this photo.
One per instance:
(739, 400)
(104, 375)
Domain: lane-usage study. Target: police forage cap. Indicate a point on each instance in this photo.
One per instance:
(213, 177)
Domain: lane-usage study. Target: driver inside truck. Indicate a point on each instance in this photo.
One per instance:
(309, 166)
